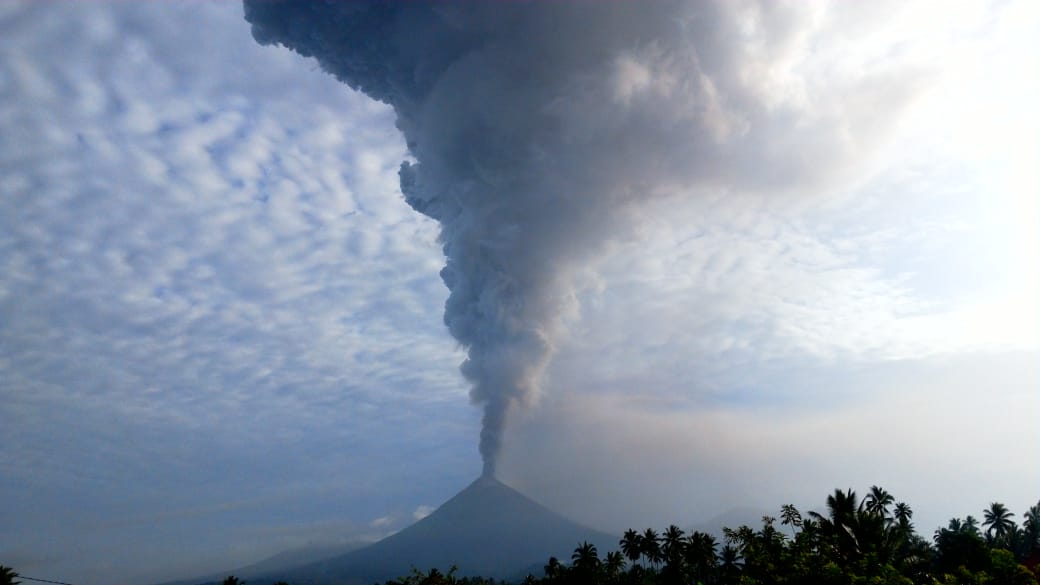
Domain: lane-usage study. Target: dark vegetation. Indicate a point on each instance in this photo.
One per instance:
(872, 541)
(869, 542)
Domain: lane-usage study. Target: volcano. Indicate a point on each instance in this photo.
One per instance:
(488, 529)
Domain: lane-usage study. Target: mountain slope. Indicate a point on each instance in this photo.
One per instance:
(487, 529)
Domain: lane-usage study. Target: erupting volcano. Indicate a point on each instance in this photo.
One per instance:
(488, 529)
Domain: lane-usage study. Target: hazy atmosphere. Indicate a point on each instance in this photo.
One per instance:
(689, 257)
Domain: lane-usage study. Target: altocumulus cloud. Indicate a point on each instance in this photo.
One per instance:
(206, 297)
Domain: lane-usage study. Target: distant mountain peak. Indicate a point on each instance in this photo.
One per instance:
(487, 529)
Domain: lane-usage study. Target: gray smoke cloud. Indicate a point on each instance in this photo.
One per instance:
(540, 131)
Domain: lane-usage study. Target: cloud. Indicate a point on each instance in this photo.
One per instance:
(209, 296)
(382, 522)
(541, 132)
(422, 512)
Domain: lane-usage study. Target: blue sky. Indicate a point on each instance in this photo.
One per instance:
(221, 326)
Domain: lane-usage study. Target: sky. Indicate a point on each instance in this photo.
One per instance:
(222, 325)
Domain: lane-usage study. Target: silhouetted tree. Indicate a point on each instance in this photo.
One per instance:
(586, 558)
(672, 549)
(700, 555)
(1031, 535)
(632, 545)
(435, 577)
(585, 565)
(998, 519)
(877, 501)
(730, 564)
(8, 576)
(553, 570)
(614, 566)
(902, 515)
(790, 516)
(651, 546)
(958, 546)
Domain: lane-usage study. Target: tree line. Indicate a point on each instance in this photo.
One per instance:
(871, 541)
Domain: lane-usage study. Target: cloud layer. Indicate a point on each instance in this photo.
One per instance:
(204, 290)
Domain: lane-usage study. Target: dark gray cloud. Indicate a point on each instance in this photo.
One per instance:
(541, 130)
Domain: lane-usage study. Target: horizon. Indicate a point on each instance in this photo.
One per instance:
(708, 256)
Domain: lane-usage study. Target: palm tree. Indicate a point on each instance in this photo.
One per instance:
(700, 554)
(632, 545)
(902, 515)
(841, 507)
(8, 576)
(970, 524)
(809, 537)
(586, 560)
(615, 565)
(790, 516)
(729, 563)
(651, 546)
(998, 519)
(742, 540)
(672, 545)
(838, 528)
(877, 501)
(1031, 528)
(233, 580)
(554, 569)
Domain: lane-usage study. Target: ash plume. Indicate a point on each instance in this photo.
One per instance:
(540, 130)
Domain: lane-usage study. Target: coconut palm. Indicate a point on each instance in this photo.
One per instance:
(877, 501)
(729, 563)
(998, 519)
(809, 537)
(672, 545)
(651, 546)
(586, 559)
(700, 555)
(632, 545)
(902, 513)
(553, 570)
(743, 538)
(614, 565)
(790, 516)
(1031, 530)
(970, 524)
(841, 506)
(838, 528)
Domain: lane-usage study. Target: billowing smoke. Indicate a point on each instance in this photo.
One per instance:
(540, 130)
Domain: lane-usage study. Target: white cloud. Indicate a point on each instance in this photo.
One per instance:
(210, 289)
(382, 522)
(422, 511)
